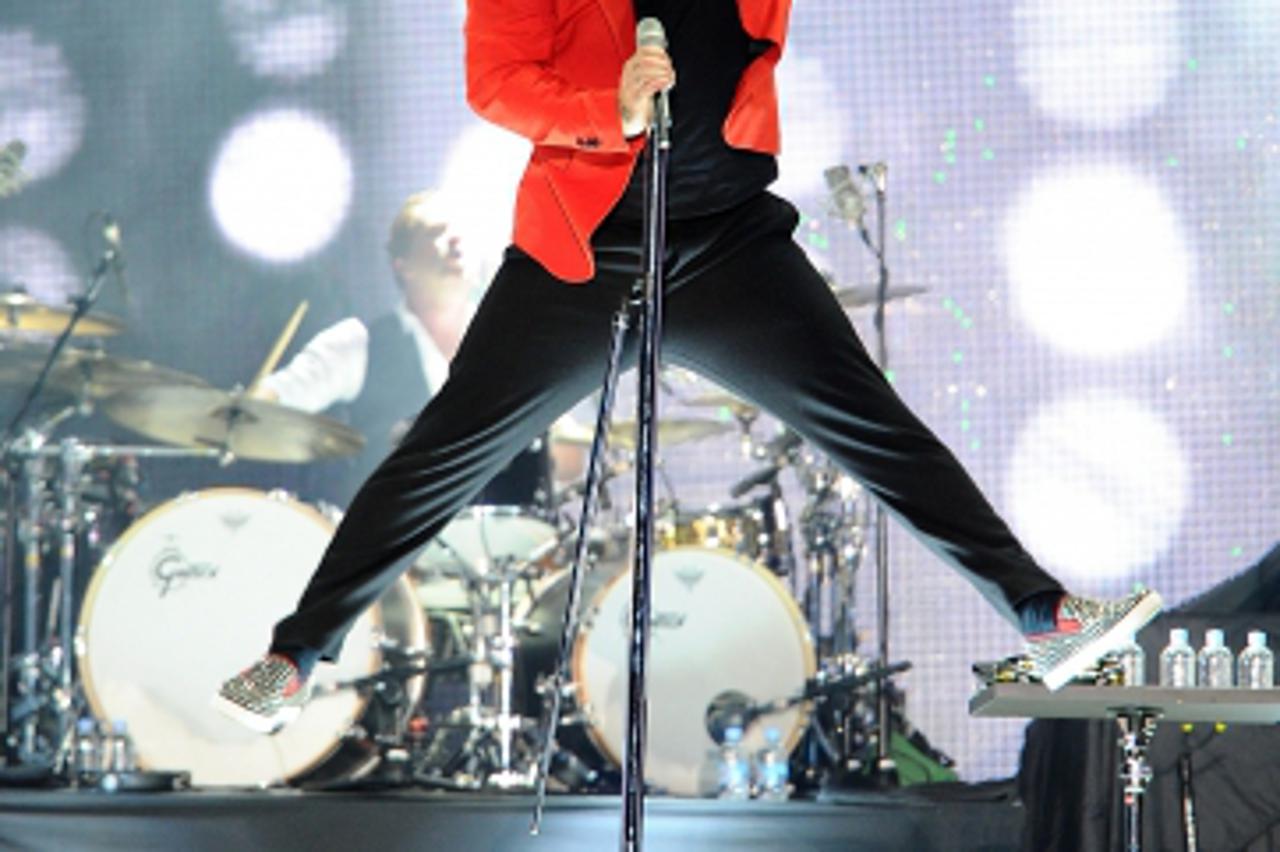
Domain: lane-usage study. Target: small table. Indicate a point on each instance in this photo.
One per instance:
(1137, 710)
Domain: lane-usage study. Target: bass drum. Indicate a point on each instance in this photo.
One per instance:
(187, 597)
(720, 625)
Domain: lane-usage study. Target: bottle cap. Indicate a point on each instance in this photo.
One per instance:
(1178, 636)
(1214, 638)
(733, 735)
(1257, 639)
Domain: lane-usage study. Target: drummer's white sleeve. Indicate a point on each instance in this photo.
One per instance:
(330, 369)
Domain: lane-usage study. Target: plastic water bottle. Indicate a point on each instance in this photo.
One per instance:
(772, 771)
(735, 771)
(88, 759)
(1215, 662)
(1133, 663)
(1178, 660)
(1257, 663)
(121, 747)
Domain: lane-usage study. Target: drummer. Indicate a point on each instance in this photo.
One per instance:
(385, 370)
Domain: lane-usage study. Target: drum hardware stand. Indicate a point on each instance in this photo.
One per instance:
(388, 687)
(110, 262)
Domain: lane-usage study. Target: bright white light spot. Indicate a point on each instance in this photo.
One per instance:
(289, 39)
(1096, 260)
(281, 185)
(478, 188)
(1097, 63)
(40, 103)
(35, 261)
(814, 126)
(1098, 486)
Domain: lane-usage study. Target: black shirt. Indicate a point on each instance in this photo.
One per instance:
(710, 50)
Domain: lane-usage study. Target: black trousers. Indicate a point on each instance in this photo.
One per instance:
(745, 308)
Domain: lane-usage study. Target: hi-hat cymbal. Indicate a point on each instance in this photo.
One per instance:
(84, 373)
(20, 312)
(865, 297)
(248, 428)
(622, 433)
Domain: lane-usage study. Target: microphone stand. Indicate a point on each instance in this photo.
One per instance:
(657, 158)
(644, 304)
(884, 763)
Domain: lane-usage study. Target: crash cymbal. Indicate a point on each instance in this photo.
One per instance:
(20, 312)
(248, 428)
(670, 432)
(865, 297)
(622, 434)
(722, 400)
(83, 373)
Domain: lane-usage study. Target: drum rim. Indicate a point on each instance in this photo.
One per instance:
(101, 569)
(803, 709)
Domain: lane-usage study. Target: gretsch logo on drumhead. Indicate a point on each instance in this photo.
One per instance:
(171, 570)
(667, 620)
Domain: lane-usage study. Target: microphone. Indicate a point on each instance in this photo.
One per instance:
(878, 173)
(114, 256)
(846, 199)
(111, 231)
(650, 33)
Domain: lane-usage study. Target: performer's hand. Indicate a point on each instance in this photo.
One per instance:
(646, 73)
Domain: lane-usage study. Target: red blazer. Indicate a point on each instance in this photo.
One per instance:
(548, 70)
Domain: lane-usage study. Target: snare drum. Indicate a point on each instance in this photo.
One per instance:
(475, 544)
(186, 597)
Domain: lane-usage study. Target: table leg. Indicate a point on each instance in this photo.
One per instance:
(1137, 727)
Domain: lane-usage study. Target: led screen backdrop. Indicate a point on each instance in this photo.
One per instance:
(1090, 190)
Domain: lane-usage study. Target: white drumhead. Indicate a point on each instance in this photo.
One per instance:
(719, 624)
(186, 598)
(480, 536)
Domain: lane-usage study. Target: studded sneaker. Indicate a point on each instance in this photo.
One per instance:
(264, 697)
(1087, 629)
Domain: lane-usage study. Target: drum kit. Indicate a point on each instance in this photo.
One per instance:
(123, 620)
(131, 618)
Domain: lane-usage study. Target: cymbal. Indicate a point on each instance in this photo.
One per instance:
(84, 373)
(722, 400)
(622, 434)
(19, 311)
(249, 428)
(670, 432)
(865, 297)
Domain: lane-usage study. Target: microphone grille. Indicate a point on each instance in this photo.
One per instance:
(650, 33)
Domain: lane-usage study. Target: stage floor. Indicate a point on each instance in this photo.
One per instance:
(944, 817)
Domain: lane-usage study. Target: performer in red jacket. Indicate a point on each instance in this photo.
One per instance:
(743, 307)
